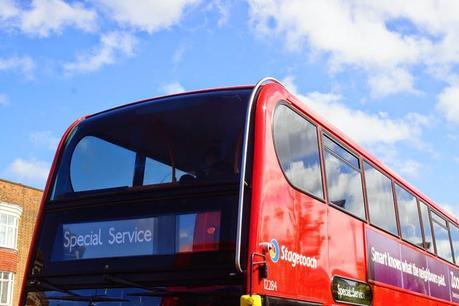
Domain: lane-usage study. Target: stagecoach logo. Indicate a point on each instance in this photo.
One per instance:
(282, 253)
(274, 251)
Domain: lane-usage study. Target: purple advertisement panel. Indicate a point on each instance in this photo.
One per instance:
(454, 283)
(437, 275)
(414, 264)
(384, 258)
(395, 264)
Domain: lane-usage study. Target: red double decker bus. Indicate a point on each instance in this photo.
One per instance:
(232, 196)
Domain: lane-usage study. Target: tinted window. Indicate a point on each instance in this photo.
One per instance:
(455, 239)
(380, 199)
(428, 242)
(344, 183)
(193, 138)
(297, 147)
(441, 238)
(98, 164)
(410, 225)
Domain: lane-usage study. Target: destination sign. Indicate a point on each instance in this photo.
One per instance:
(392, 263)
(350, 291)
(133, 237)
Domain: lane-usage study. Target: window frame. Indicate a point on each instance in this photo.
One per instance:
(446, 227)
(10, 282)
(452, 241)
(381, 171)
(288, 105)
(422, 202)
(325, 133)
(14, 211)
(401, 186)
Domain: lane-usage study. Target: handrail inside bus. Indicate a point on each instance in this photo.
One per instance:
(242, 184)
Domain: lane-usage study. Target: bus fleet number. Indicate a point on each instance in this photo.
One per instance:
(270, 285)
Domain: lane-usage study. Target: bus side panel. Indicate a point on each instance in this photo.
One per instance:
(346, 246)
(294, 222)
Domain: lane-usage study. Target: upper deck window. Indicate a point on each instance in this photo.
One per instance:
(297, 148)
(344, 182)
(193, 138)
(455, 240)
(380, 199)
(441, 233)
(428, 237)
(410, 225)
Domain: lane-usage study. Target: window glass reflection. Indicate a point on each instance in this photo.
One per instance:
(428, 243)
(410, 225)
(455, 239)
(380, 199)
(344, 185)
(298, 150)
(441, 238)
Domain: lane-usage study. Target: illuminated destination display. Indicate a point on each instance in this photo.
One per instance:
(134, 237)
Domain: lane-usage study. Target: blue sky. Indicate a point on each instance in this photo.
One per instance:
(384, 72)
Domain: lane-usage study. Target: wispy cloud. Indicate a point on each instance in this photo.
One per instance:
(448, 103)
(390, 40)
(44, 17)
(146, 15)
(172, 88)
(29, 171)
(19, 64)
(4, 101)
(111, 46)
(365, 128)
(45, 139)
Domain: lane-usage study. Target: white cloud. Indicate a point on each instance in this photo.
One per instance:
(112, 45)
(365, 128)
(387, 38)
(448, 103)
(391, 82)
(30, 171)
(44, 17)
(409, 168)
(8, 10)
(173, 88)
(146, 15)
(44, 138)
(4, 101)
(24, 65)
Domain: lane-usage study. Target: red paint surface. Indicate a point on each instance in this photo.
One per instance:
(309, 226)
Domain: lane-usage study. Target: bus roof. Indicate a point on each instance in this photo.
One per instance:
(173, 95)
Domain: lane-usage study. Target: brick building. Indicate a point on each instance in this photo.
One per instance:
(18, 211)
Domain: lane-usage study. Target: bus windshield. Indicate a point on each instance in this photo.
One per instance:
(178, 140)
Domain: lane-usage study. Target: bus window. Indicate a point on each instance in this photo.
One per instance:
(455, 240)
(428, 239)
(297, 148)
(380, 199)
(442, 242)
(410, 226)
(99, 164)
(179, 140)
(344, 182)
